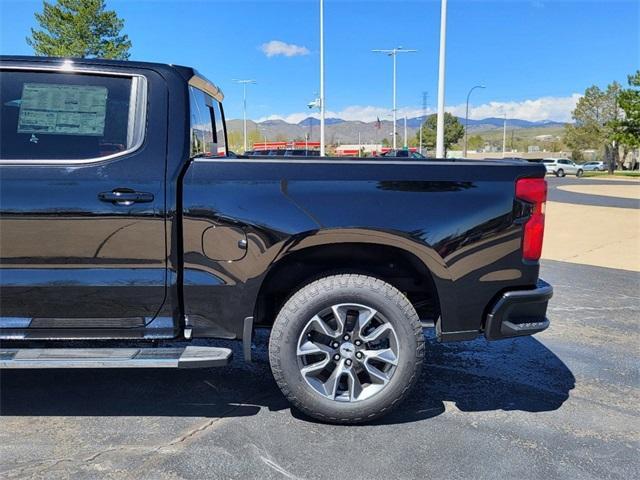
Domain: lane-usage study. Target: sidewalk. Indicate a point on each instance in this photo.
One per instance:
(591, 235)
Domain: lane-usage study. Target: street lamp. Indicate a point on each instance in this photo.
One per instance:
(263, 130)
(466, 119)
(244, 84)
(394, 53)
(504, 136)
(322, 109)
(406, 145)
(441, 82)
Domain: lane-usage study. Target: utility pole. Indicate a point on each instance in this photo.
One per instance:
(263, 130)
(322, 100)
(466, 119)
(425, 96)
(504, 136)
(441, 82)
(394, 53)
(406, 145)
(244, 84)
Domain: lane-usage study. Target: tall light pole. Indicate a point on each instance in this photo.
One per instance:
(425, 95)
(322, 145)
(406, 145)
(263, 130)
(394, 53)
(466, 119)
(441, 70)
(504, 136)
(244, 84)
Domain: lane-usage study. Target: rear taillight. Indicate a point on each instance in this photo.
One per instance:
(533, 191)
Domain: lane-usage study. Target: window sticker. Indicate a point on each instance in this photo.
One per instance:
(49, 108)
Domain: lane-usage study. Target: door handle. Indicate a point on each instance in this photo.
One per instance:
(125, 197)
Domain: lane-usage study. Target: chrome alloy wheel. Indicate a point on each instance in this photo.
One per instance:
(348, 352)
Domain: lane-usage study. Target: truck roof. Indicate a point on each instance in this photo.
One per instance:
(185, 72)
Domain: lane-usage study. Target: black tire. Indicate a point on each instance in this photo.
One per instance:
(560, 173)
(579, 173)
(319, 295)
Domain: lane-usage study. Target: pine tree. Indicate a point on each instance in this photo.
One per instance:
(79, 28)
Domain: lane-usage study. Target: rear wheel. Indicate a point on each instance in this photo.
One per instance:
(579, 173)
(560, 173)
(346, 348)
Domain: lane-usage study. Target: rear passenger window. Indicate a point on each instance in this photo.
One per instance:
(207, 126)
(68, 116)
(222, 144)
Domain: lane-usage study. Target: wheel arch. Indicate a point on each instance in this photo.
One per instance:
(402, 262)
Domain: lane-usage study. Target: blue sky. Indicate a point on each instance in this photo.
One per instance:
(535, 57)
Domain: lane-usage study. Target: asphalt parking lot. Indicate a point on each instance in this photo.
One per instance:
(557, 194)
(562, 404)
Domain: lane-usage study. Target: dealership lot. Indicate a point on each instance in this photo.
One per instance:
(562, 404)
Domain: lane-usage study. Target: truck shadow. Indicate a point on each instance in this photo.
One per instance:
(519, 374)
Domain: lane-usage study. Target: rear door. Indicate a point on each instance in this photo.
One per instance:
(82, 199)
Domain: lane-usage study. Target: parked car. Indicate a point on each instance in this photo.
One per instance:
(593, 167)
(562, 166)
(162, 241)
(301, 153)
(403, 154)
(276, 153)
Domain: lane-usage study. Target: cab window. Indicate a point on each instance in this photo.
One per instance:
(67, 116)
(207, 126)
(219, 124)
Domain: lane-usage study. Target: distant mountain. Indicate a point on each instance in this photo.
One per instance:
(514, 122)
(340, 131)
(492, 122)
(316, 121)
(273, 123)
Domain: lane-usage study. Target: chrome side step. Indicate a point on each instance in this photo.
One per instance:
(181, 357)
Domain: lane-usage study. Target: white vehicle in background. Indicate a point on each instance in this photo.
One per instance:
(562, 166)
(593, 167)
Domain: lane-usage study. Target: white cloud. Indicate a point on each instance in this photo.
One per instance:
(361, 113)
(543, 108)
(276, 47)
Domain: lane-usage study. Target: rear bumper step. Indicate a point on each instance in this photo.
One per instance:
(181, 357)
(519, 312)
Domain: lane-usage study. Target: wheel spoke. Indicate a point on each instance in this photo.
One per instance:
(376, 375)
(340, 314)
(311, 348)
(319, 325)
(385, 355)
(331, 385)
(315, 367)
(355, 387)
(380, 332)
(364, 317)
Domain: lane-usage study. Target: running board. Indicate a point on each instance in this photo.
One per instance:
(182, 357)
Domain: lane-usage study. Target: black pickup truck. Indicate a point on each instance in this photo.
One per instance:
(123, 221)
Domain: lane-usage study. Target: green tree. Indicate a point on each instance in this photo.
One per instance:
(79, 28)
(385, 142)
(235, 140)
(475, 142)
(627, 130)
(453, 131)
(595, 117)
(253, 137)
